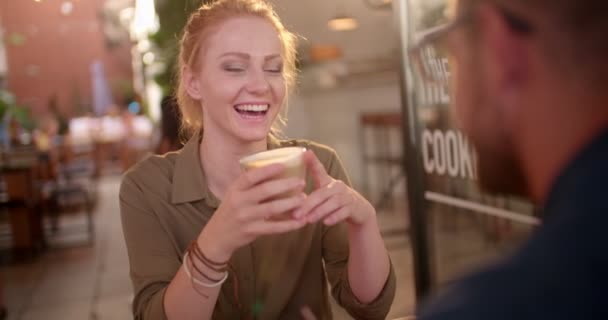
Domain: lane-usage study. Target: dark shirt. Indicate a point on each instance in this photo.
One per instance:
(562, 271)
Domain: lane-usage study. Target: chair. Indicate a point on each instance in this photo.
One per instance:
(387, 161)
(72, 190)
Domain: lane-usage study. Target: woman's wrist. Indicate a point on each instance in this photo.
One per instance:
(357, 230)
(366, 217)
(212, 249)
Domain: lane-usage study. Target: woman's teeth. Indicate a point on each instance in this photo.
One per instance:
(252, 108)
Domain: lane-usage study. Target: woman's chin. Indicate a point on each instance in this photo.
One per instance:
(253, 135)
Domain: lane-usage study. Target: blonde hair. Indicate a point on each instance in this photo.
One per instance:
(193, 40)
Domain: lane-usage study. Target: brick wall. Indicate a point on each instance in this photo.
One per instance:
(50, 54)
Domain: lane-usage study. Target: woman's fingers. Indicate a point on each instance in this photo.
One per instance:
(258, 175)
(279, 206)
(328, 207)
(337, 216)
(275, 188)
(316, 169)
(318, 197)
(266, 227)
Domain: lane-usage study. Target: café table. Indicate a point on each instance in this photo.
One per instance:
(19, 198)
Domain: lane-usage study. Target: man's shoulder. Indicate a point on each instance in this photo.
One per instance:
(548, 278)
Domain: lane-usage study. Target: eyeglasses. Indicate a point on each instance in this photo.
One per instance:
(431, 53)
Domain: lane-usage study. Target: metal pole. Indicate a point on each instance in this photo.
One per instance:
(412, 166)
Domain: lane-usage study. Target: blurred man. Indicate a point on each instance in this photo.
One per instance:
(531, 91)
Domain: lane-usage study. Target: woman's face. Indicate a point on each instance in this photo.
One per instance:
(240, 81)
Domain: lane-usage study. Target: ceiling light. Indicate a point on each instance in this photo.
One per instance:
(342, 23)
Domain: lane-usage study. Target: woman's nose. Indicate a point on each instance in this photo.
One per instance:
(258, 83)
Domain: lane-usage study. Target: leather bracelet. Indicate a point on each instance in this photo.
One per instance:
(200, 272)
(197, 281)
(206, 259)
(198, 253)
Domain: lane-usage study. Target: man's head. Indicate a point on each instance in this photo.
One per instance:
(520, 64)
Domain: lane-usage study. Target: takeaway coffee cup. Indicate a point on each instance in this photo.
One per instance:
(291, 157)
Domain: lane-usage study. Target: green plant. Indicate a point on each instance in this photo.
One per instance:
(10, 109)
(172, 17)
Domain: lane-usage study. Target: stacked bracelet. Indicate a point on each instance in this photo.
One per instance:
(195, 252)
(198, 253)
(201, 283)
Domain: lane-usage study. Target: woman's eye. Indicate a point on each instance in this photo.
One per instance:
(234, 68)
(275, 70)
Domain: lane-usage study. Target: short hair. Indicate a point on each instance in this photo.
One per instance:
(574, 32)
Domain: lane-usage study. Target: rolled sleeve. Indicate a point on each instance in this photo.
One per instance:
(377, 309)
(150, 303)
(335, 256)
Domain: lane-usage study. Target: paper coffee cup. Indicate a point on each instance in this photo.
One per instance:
(291, 157)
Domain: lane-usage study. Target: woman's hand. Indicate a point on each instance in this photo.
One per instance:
(247, 209)
(332, 200)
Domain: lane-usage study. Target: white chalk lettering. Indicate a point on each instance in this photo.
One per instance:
(439, 152)
(434, 89)
(448, 153)
(452, 153)
(467, 166)
(427, 139)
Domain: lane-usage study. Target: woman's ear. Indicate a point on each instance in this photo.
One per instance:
(191, 83)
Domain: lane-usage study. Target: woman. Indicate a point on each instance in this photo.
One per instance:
(200, 235)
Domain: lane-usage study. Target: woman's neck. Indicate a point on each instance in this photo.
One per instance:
(220, 157)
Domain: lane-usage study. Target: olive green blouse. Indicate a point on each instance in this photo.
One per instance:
(165, 203)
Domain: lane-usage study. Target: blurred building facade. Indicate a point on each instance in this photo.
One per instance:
(51, 47)
(3, 66)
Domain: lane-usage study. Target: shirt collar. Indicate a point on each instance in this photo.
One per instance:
(189, 182)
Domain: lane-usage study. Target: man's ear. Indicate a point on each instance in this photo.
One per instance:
(191, 83)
